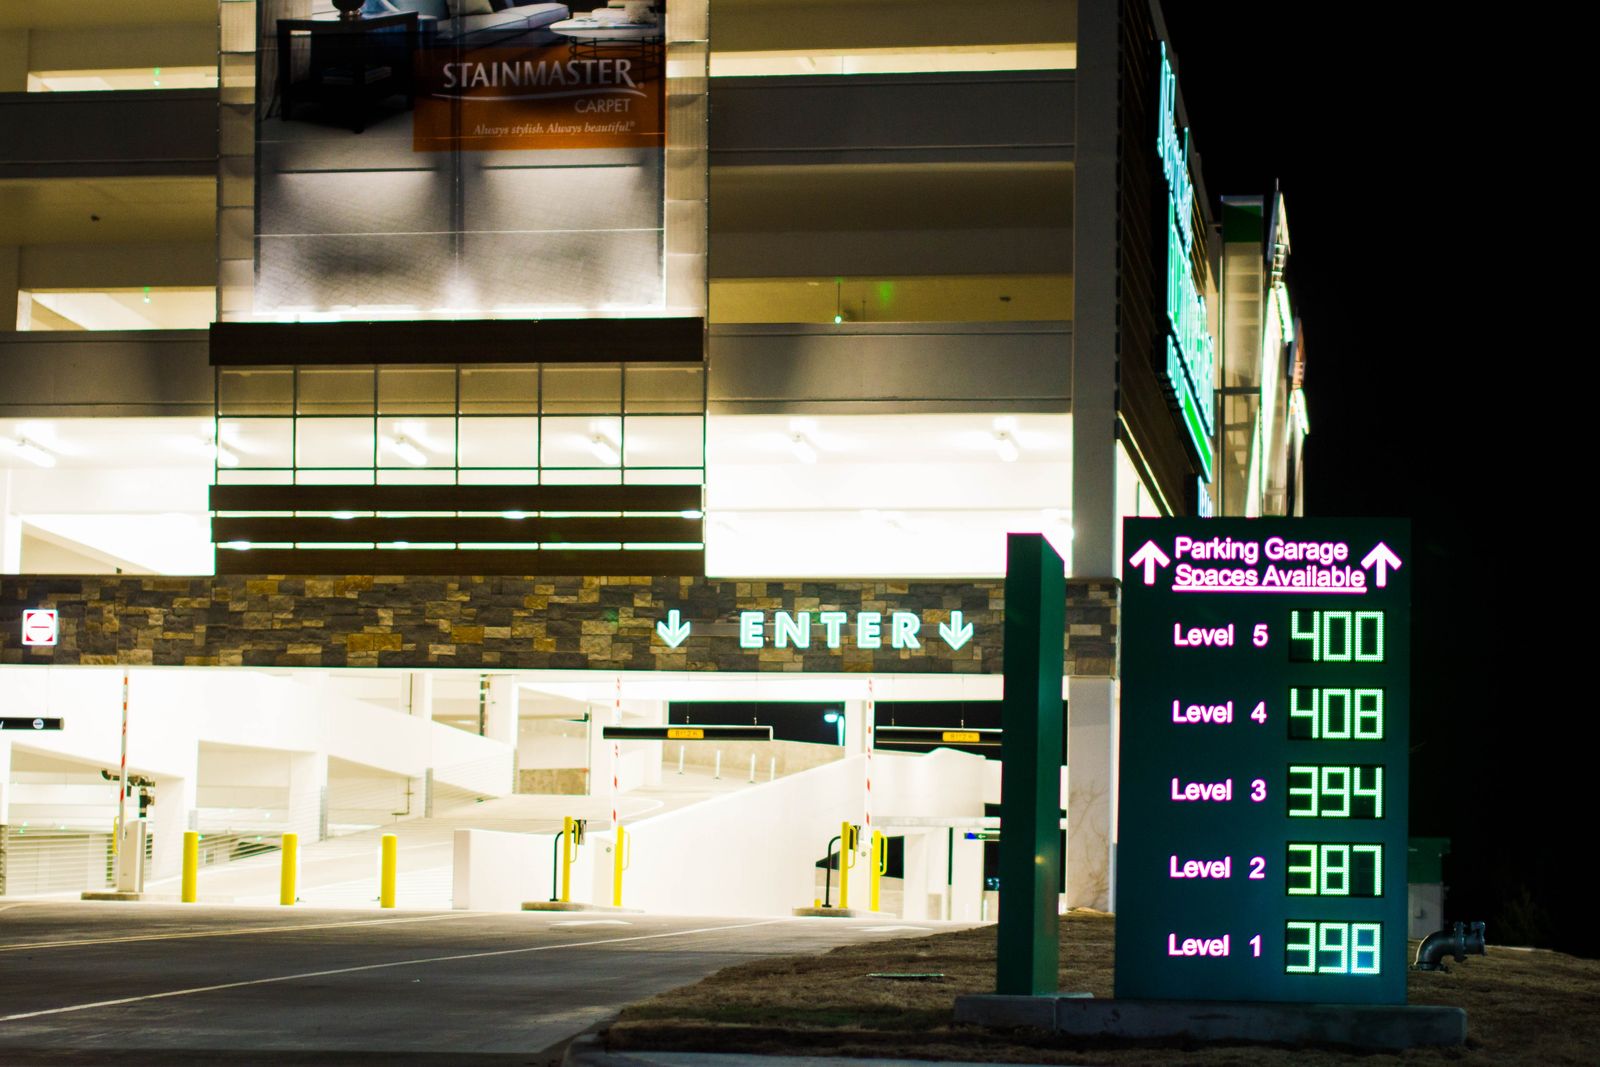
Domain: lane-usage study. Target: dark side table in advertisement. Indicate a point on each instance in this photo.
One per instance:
(353, 63)
(590, 39)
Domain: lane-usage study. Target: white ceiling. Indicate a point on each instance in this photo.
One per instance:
(101, 211)
(178, 443)
(928, 495)
(922, 495)
(943, 438)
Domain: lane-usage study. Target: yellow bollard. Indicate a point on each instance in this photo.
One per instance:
(848, 839)
(191, 867)
(391, 860)
(291, 859)
(566, 858)
(880, 863)
(619, 863)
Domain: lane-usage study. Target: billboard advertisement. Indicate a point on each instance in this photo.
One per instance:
(460, 158)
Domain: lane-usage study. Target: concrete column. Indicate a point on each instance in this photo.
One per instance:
(501, 710)
(966, 894)
(855, 727)
(654, 713)
(10, 524)
(10, 283)
(5, 781)
(599, 762)
(939, 869)
(1091, 718)
(421, 701)
(13, 61)
(1094, 295)
(1091, 792)
(172, 813)
(308, 795)
(918, 877)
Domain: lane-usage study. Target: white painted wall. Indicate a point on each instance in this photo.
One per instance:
(542, 751)
(496, 871)
(753, 852)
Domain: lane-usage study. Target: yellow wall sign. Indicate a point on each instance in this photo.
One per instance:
(679, 734)
(961, 737)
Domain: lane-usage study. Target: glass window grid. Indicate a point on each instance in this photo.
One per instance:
(614, 473)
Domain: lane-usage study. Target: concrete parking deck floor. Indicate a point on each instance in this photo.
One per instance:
(145, 983)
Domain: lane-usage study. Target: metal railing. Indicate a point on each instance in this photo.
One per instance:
(53, 861)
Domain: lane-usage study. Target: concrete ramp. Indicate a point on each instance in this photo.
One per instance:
(754, 852)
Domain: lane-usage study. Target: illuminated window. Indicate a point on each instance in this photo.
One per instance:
(907, 60)
(121, 78)
(143, 308)
(573, 424)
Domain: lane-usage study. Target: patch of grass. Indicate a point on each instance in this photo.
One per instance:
(1523, 1007)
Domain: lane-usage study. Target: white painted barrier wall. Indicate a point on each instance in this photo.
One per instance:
(496, 871)
(754, 851)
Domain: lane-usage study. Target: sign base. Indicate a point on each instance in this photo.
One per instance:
(1363, 1026)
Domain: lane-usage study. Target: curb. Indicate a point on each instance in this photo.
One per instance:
(588, 1050)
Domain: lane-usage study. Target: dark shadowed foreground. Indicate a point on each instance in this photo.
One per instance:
(1528, 1007)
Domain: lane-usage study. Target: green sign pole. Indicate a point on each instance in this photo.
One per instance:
(1030, 755)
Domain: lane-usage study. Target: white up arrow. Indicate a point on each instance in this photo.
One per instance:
(672, 631)
(955, 632)
(1149, 557)
(1384, 558)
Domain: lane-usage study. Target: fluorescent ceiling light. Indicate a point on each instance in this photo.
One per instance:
(33, 453)
(406, 450)
(604, 450)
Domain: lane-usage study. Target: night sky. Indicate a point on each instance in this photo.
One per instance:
(1416, 324)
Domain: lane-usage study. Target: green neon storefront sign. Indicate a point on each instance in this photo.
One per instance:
(1190, 367)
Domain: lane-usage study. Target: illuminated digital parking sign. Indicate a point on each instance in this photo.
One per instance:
(1264, 726)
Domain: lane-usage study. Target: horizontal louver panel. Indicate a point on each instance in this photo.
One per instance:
(460, 561)
(527, 498)
(476, 529)
(658, 340)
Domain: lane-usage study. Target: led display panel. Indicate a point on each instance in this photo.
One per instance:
(1264, 731)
